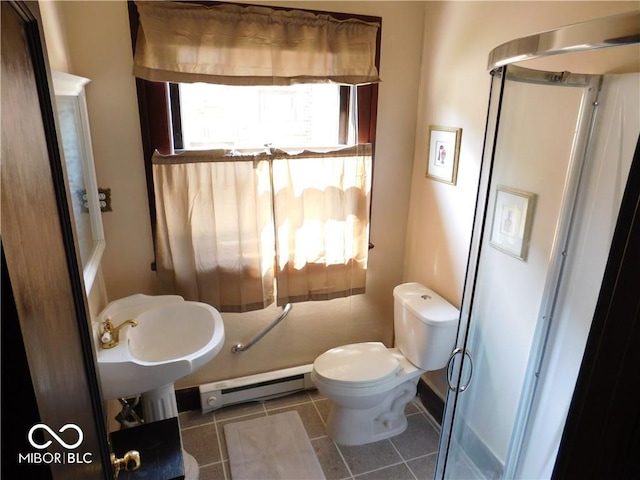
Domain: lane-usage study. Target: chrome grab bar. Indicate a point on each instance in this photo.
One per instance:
(241, 347)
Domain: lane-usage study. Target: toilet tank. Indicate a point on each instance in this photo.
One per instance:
(425, 326)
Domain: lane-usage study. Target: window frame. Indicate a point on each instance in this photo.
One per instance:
(155, 104)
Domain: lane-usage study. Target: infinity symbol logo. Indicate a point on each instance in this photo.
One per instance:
(53, 434)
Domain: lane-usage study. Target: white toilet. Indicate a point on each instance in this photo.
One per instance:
(369, 385)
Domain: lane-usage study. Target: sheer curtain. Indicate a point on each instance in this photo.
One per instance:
(231, 226)
(321, 212)
(214, 229)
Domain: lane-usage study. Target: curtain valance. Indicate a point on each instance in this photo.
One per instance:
(249, 45)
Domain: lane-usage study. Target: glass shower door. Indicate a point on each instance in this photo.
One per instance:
(536, 133)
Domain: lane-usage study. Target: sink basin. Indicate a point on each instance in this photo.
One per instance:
(173, 338)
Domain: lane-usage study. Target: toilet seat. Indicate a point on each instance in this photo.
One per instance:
(357, 365)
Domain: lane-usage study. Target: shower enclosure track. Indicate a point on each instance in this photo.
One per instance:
(241, 347)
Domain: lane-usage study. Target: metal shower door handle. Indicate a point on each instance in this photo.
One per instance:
(461, 388)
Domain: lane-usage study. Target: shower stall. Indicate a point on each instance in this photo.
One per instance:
(562, 128)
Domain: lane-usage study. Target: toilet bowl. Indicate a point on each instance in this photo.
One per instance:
(369, 385)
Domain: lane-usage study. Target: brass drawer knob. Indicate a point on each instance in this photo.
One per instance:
(129, 463)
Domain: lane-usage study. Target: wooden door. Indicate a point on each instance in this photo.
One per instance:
(42, 262)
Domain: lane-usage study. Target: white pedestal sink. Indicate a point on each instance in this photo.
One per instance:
(172, 339)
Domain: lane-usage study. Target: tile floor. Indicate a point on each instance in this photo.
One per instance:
(410, 455)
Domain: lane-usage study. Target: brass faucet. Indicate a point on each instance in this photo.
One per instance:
(110, 336)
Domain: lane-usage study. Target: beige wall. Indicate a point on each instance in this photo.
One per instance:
(98, 39)
(53, 26)
(454, 91)
(420, 228)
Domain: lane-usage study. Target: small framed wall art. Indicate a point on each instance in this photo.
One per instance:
(512, 218)
(444, 150)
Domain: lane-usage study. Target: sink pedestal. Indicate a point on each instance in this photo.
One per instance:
(160, 404)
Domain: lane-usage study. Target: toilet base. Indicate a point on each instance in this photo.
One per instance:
(350, 426)
(345, 427)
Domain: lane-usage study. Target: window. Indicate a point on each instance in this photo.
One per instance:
(237, 229)
(208, 116)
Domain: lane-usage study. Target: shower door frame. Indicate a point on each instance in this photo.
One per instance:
(618, 30)
(586, 116)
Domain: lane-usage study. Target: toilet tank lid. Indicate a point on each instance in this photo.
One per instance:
(427, 305)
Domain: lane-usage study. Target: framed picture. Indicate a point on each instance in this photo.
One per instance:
(512, 218)
(444, 149)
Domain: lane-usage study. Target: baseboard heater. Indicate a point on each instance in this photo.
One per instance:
(261, 386)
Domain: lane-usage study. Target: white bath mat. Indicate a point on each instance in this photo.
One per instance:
(271, 448)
